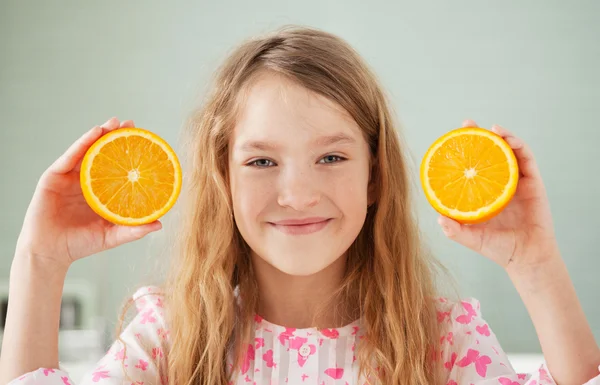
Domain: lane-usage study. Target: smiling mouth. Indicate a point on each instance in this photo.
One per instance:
(308, 228)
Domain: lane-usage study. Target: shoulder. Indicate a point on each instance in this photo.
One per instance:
(463, 312)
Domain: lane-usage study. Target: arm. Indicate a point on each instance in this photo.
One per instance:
(567, 341)
(31, 331)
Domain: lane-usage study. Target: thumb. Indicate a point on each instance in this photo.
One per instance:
(467, 235)
(118, 235)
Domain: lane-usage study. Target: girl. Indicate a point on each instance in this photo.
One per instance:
(299, 259)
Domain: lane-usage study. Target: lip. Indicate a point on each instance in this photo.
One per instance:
(301, 226)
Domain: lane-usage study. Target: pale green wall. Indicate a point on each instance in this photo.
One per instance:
(531, 66)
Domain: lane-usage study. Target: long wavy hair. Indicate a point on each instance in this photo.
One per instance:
(207, 319)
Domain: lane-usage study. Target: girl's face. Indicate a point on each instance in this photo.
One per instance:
(293, 156)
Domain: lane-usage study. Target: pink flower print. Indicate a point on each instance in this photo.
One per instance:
(65, 380)
(46, 371)
(484, 330)
(330, 333)
(284, 336)
(247, 357)
(120, 355)
(449, 337)
(268, 358)
(450, 364)
(335, 373)
(473, 357)
(466, 318)
(157, 352)
(441, 316)
(147, 317)
(304, 377)
(99, 374)
(260, 342)
(143, 365)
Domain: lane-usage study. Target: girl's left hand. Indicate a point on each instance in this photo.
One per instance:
(522, 234)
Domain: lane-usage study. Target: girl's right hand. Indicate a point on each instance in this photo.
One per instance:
(59, 225)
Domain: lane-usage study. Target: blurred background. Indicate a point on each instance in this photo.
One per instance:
(529, 66)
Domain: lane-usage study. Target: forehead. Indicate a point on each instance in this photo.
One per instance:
(277, 109)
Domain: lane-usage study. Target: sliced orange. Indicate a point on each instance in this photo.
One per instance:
(469, 174)
(130, 176)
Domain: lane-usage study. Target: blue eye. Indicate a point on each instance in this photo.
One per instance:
(255, 163)
(335, 157)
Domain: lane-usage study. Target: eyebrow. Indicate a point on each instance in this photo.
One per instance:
(339, 138)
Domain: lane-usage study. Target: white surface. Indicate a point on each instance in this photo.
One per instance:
(526, 363)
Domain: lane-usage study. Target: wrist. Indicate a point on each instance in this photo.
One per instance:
(27, 262)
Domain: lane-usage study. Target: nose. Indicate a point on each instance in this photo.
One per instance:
(298, 191)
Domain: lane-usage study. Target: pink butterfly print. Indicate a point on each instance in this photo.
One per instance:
(302, 360)
(257, 318)
(120, 355)
(46, 371)
(247, 379)
(507, 381)
(466, 318)
(335, 373)
(143, 365)
(304, 377)
(164, 380)
(354, 330)
(450, 364)
(162, 333)
(268, 358)
(249, 356)
(65, 380)
(522, 376)
(147, 317)
(484, 330)
(451, 382)
(544, 375)
(473, 357)
(495, 351)
(138, 335)
(441, 316)
(449, 337)
(99, 374)
(297, 342)
(157, 352)
(140, 303)
(284, 336)
(260, 342)
(159, 302)
(330, 333)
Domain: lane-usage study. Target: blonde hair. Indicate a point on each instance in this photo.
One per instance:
(398, 311)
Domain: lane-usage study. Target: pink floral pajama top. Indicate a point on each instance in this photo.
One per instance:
(468, 351)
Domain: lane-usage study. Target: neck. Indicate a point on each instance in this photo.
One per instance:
(291, 300)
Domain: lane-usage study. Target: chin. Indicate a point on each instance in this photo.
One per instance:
(299, 267)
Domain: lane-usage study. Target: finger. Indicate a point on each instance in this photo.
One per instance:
(468, 236)
(67, 161)
(127, 124)
(469, 123)
(118, 235)
(525, 158)
(111, 124)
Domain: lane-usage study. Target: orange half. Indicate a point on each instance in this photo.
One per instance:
(130, 176)
(469, 174)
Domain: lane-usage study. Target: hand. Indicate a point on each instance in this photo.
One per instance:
(520, 235)
(59, 225)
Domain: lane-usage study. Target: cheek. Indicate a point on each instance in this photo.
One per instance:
(249, 196)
